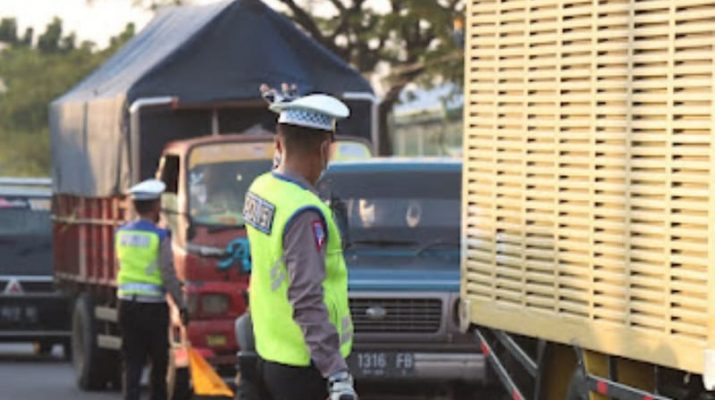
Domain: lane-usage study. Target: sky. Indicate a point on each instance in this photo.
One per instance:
(96, 20)
(99, 20)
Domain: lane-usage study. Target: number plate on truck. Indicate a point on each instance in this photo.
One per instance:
(11, 314)
(381, 364)
(216, 340)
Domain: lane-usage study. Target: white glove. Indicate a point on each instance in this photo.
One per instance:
(340, 387)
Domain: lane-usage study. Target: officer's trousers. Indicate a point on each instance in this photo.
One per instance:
(145, 335)
(284, 382)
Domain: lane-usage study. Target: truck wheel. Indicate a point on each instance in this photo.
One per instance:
(89, 361)
(577, 385)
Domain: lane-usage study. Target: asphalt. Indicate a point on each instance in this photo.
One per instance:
(26, 376)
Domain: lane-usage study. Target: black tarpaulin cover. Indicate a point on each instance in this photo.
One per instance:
(213, 53)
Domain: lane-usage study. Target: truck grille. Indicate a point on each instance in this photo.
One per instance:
(383, 315)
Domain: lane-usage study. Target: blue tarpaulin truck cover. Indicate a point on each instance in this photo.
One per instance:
(211, 59)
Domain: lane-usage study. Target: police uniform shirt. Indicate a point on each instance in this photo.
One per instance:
(168, 273)
(304, 250)
(166, 262)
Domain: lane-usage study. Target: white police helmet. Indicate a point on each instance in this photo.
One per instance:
(150, 189)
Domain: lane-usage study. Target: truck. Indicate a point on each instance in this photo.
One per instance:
(31, 308)
(400, 219)
(588, 204)
(179, 102)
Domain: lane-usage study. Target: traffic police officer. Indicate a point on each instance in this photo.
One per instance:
(146, 273)
(298, 290)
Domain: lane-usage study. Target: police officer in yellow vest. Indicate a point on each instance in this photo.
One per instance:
(146, 274)
(298, 289)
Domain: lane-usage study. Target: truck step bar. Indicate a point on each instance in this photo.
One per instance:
(592, 383)
(108, 314)
(498, 367)
(109, 342)
(519, 354)
(615, 390)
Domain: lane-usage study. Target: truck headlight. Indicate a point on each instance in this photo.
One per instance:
(214, 304)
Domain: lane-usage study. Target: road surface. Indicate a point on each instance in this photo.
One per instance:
(25, 376)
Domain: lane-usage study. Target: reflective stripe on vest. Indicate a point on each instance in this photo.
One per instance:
(138, 254)
(270, 203)
(145, 289)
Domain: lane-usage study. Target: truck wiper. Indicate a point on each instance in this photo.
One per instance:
(435, 243)
(211, 228)
(383, 242)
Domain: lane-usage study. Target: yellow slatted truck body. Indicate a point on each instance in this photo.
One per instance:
(589, 190)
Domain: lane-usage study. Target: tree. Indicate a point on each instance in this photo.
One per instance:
(414, 37)
(152, 5)
(51, 40)
(33, 77)
(8, 30)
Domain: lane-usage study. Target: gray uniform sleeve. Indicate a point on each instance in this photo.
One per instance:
(168, 274)
(305, 261)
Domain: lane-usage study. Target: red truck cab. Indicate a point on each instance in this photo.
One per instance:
(200, 173)
(206, 180)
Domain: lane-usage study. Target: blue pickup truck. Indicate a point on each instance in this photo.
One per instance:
(401, 229)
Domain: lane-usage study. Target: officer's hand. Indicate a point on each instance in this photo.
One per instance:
(340, 387)
(184, 314)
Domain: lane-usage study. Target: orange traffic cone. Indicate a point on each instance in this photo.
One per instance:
(207, 384)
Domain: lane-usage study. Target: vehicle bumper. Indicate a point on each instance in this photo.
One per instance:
(470, 368)
(215, 340)
(34, 317)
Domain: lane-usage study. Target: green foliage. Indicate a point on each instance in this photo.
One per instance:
(32, 76)
(415, 38)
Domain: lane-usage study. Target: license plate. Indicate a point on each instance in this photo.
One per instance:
(382, 364)
(18, 314)
(216, 340)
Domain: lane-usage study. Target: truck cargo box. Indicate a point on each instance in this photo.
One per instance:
(588, 204)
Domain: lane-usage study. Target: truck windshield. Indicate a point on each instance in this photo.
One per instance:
(25, 236)
(217, 190)
(397, 208)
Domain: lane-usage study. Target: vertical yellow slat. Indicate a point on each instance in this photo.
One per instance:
(588, 195)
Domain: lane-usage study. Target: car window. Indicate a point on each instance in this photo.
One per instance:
(407, 206)
(22, 216)
(217, 190)
(219, 176)
(25, 236)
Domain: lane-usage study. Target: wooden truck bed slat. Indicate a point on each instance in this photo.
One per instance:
(589, 187)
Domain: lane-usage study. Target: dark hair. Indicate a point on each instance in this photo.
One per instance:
(145, 206)
(303, 140)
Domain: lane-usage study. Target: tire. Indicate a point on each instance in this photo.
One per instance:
(91, 364)
(577, 385)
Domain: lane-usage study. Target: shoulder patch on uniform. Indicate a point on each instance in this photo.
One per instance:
(258, 212)
(319, 234)
(131, 239)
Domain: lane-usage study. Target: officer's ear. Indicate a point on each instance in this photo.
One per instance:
(278, 143)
